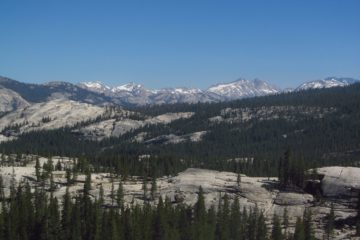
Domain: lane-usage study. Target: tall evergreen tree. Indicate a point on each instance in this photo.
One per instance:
(330, 223)
(358, 215)
(58, 166)
(299, 230)
(87, 184)
(261, 228)
(200, 216)
(2, 193)
(308, 228)
(153, 188)
(37, 169)
(66, 216)
(276, 233)
(285, 222)
(120, 195)
(235, 220)
(101, 195)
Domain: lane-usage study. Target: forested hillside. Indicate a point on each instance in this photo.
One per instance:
(320, 127)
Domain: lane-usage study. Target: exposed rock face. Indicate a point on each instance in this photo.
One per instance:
(116, 127)
(10, 100)
(92, 121)
(290, 199)
(339, 181)
(173, 139)
(50, 115)
(112, 122)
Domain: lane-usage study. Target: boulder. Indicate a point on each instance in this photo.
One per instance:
(339, 181)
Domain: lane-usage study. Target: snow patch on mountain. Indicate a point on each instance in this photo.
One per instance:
(130, 87)
(95, 86)
(138, 95)
(243, 88)
(326, 83)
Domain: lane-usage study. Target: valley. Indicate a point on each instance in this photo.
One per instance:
(283, 160)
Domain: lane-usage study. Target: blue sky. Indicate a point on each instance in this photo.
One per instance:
(179, 43)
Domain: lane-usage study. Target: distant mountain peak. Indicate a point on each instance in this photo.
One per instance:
(134, 94)
(179, 90)
(243, 88)
(96, 86)
(137, 94)
(328, 82)
(129, 87)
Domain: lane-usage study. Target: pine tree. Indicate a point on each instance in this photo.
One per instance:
(96, 231)
(160, 226)
(276, 233)
(235, 219)
(153, 188)
(284, 169)
(358, 216)
(224, 219)
(3, 220)
(50, 165)
(285, 222)
(52, 184)
(120, 195)
(58, 166)
(330, 223)
(2, 193)
(68, 177)
(75, 221)
(74, 174)
(199, 215)
(87, 184)
(251, 224)
(37, 169)
(261, 228)
(66, 215)
(299, 230)
(101, 195)
(308, 229)
(3, 159)
(112, 192)
(12, 185)
(145, 189)
(54, 219)
(238, 179)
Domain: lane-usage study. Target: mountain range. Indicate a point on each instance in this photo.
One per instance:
(15, 94)
(137, 94)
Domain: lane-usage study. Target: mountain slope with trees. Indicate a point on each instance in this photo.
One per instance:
(321, 127)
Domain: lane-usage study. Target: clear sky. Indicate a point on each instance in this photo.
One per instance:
(179, 43)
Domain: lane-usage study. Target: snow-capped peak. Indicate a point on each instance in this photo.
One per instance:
(137, 94)
(129, 87)
(326, 83)
(243, 88)
(179, 90)
(187, 90)
(95, 86)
